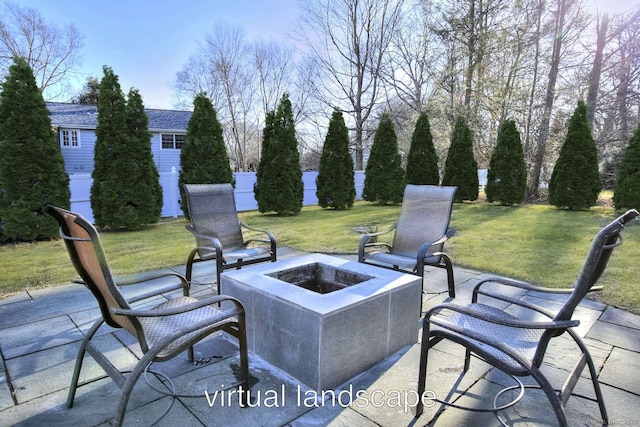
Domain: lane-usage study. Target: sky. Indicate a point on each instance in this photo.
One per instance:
(146, 42)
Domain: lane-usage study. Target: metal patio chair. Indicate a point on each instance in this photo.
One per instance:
(420, 234)
(514, 343)
(218, 231)
(163, 332)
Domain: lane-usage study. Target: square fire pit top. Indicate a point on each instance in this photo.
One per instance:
(276, 279)
(319, 277)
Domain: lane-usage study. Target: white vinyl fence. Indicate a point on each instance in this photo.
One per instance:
(80, 186)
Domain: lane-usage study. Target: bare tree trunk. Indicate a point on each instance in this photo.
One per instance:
(534, 83)
(543, 133)
(596, 71)
(471, 54)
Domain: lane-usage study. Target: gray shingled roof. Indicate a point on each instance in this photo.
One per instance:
(86, 117)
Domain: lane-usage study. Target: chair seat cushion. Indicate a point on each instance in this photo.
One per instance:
(518, 340)
(157, 328)
(239, 253)
(403, 262)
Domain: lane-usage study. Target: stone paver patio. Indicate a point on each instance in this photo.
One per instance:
(40, 333)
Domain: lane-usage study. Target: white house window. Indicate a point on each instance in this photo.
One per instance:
(70, 138)
(172, 141)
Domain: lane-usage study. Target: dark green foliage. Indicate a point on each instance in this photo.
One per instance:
(627, 190)
(384, 176)
(575, 181)
(144, 177)
(335, 185)
(422, 161)
(279, 178)
(32, 172)
(507, 175)
(262, 191)
(203, 159)
(125, 190)
(461, 168)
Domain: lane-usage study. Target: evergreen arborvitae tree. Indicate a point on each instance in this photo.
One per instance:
(627, 189)
(575, 181)
(507, 175)
(203, 159)
(384, 176)
(461, 168)
(280, 187)
(263, 188)
(124, 193)
(144, 174)
(422, 161)
(335, 184)
(32, 173)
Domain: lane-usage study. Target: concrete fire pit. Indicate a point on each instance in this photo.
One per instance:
(324, 319)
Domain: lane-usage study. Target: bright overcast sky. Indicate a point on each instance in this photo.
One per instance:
(147, 42)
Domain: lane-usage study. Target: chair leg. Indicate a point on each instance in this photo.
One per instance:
(450, 282)
(552, 396)
(79, 359)
(422, 375)
(244, 360)
(593, 373)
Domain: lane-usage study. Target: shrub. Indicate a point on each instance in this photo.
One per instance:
(125, 192)
(422, 161)
(203, 159)
(335, 185)
(32, 173)
(507, 175)
(575, 181)
(279, 186)
(384, 180)
(627, 189)
(461, 168)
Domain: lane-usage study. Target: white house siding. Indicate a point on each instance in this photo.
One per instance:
(165, 159)
(79, 160)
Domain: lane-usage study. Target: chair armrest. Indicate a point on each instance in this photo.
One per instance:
(516, 284)
(483, 316)
(217, 246)
(364, 241)
(179, 310)
(146, 277)
(269, 234)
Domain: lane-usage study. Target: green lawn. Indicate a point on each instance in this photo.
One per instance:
(533, 242)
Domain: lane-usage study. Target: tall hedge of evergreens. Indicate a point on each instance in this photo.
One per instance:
(203, 159)
(507, 175)
(279, 187)
(384, 176)
(123, 193)
(335, 184)
(461, 168)
(575, 180)
(32, 173)
(627, 189)
(422, 161)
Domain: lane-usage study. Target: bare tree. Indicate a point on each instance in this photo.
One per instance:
(50, 51)
(273, 63)
(348, 42)
(412, 67)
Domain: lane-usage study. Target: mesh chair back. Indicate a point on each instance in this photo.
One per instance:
(212, 209)
(602, 246)
(85, 250)
(424, 217)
